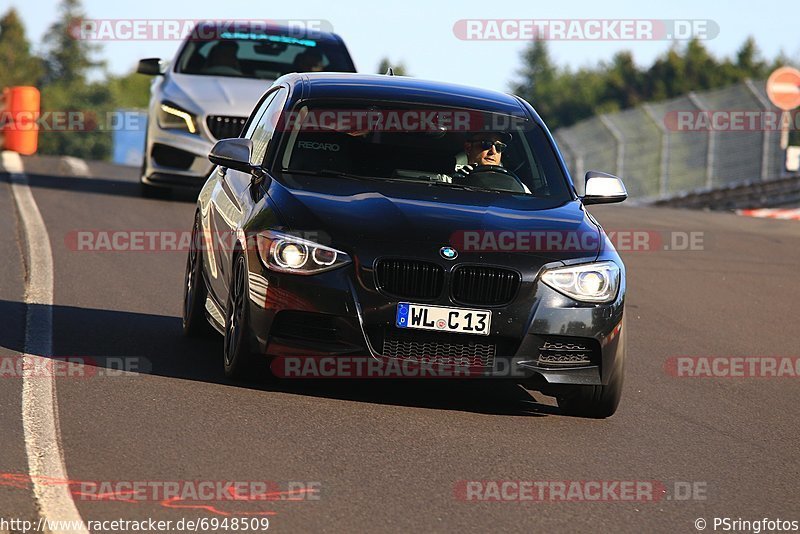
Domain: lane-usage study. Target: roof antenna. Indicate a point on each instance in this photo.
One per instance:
(390, 71)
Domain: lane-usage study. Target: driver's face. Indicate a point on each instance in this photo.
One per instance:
(481, 156)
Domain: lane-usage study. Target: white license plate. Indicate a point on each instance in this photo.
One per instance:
(443, 319)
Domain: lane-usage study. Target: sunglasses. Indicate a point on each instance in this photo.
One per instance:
(487, 144)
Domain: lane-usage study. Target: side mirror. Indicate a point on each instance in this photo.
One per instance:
(150, 66)
(602, 188)
(233, 153)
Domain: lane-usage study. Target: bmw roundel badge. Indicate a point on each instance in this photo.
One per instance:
(448, 253)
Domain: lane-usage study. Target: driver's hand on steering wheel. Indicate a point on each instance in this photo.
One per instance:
(469, 168)
(464, 170)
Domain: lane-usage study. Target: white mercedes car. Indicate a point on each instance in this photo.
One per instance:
(210, 88)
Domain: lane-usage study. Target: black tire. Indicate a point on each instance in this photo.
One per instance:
(597, 402)
(237, 355)
(195, 291)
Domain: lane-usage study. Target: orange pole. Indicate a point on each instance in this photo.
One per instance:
(20, 119)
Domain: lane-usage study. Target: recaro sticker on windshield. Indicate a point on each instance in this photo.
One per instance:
(313, 145)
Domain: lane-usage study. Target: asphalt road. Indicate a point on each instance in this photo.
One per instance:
(389, 456)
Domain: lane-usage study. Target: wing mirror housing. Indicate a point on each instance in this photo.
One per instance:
(151, 66)
(233, 153)
(603, 188)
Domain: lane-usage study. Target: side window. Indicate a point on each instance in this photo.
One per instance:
(260, 113)
(266, 126)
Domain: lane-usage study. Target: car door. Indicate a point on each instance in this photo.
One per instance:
(231, 201)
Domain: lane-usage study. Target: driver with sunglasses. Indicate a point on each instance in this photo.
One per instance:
(484, 149)
(484, 153)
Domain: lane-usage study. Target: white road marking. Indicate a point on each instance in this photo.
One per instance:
(74, 167)
(39, 402)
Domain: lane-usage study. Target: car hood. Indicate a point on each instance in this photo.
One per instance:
(347, 213)
(215, 95)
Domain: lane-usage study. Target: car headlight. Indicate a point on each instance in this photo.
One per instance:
(289, 254)
(173, 117)
(591, 282)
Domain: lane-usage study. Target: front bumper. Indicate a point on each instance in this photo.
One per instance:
(341, 313)
(176, 159)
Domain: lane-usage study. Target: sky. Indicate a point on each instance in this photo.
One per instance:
(420, 33)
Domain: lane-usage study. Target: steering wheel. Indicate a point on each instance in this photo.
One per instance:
(492, 168)
(494, 177)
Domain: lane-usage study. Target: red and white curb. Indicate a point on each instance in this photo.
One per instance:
(773, 213)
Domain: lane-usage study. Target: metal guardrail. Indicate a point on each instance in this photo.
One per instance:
(667, 165)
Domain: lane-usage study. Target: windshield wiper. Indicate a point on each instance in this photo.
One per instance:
(341, 174)
(328, 172)
(427, 181)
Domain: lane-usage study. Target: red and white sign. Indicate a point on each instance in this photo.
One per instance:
(783, 88)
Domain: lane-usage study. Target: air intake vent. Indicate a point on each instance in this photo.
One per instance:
(484, 286)
(563, 352)
(304, 325)
(167, 156)
(409, 278)
(442, 349)
(225, 127)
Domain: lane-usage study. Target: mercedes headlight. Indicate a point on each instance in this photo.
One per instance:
(591, 282)
(172, 117)
(289, 254)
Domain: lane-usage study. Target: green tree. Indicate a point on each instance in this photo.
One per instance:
(131, 90)
(749, 61)
(399, 68)
(701, 69)
(623, 81)
(539, 81)
(563, 96)
(663, 78)
(68, 57)
(783, 60)
(680, 71)
(68, 61)
(19, 66)
(89, 139)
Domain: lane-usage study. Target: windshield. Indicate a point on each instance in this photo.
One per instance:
(456, 148)
(261, 55)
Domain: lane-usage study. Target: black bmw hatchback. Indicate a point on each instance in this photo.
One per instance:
(414, 221)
